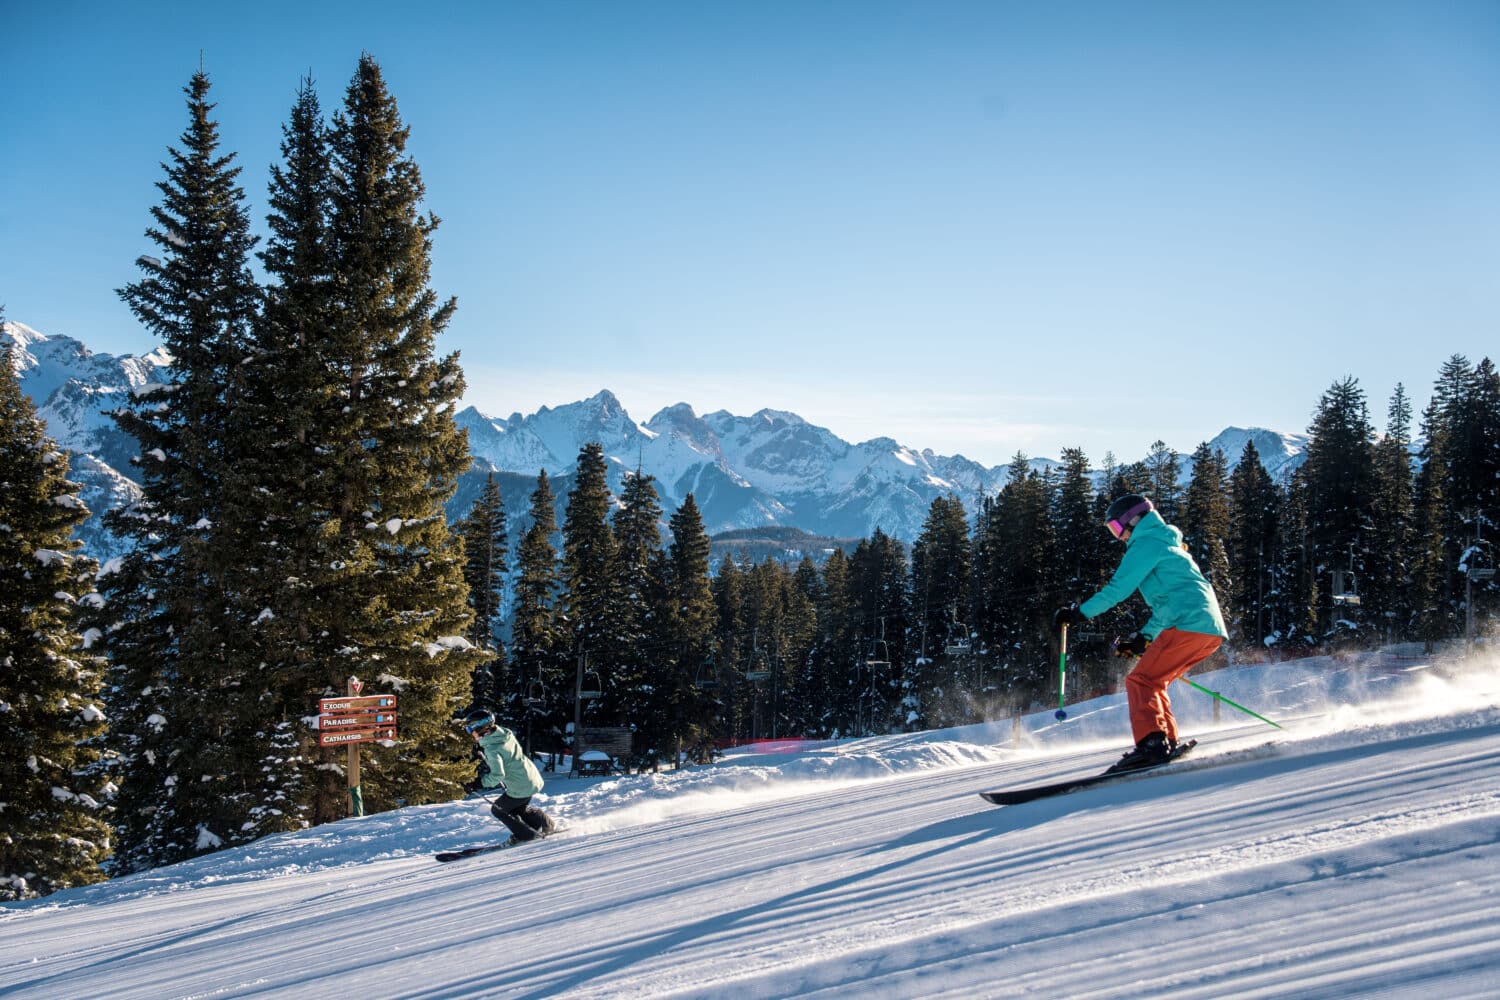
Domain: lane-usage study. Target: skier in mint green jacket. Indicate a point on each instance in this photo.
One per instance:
(503, 765)
(1184, 630)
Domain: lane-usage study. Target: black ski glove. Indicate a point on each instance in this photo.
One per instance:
(1064, 617)
(1133, 646)
(472, 786)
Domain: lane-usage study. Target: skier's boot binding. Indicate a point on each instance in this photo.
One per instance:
(1153, 749)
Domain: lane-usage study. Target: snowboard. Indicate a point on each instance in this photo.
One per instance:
(1015, 796)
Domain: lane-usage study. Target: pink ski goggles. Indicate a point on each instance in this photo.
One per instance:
(1118, 526)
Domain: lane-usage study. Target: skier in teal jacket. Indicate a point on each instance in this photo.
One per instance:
(503, 765)
(1185, 628)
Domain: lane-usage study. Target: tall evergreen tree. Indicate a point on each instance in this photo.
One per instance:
(395, 606)
(1388, 577)
(1205, 518)
(53, 834)
(880, 601)
(941, 574)
(802, 694)
(837, 651)
(1253, 506)
(1298, 583)
(536, 633)
(283, 480)
(1434, 606)
(179, 692)
(1080, 552)
(1338, 476)
(638, 581)
(486, 542)
(1019, 578)
(685, 634)
(1163, 479)
(590, 587)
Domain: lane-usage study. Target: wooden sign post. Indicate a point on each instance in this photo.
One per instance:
(354, 720)
(356, 797)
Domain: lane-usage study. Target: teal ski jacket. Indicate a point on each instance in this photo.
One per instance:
(1157, 564)
(506, 765)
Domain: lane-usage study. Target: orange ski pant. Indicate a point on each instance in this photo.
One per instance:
(1170, 655)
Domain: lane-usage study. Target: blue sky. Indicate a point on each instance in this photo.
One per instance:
(973, 227)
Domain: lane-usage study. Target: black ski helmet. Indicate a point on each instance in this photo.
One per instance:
(1126, 512)
(478, 720)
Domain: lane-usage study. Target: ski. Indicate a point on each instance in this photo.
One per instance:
(443, 857)
(1015, 796)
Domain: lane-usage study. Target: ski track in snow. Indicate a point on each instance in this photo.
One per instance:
(1352, 854)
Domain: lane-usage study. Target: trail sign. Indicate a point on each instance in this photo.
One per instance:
(352, 720)
(342, 737)
(369, 702)
(356, 720)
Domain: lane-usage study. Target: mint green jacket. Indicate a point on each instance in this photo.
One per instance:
(507, 765)
(1159, 567)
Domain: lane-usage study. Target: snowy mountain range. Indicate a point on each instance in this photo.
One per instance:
(74, 389)
(769, 469)
(772, 468)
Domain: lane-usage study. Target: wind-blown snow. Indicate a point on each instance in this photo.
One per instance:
(1351, 854)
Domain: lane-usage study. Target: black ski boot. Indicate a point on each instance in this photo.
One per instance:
(1153, 749)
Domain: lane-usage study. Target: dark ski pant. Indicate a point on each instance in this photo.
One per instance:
(1172, 654)
(524, 822)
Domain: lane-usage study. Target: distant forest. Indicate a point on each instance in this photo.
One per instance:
(1372, 540)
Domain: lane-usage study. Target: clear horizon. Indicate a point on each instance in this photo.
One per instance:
(973, 228)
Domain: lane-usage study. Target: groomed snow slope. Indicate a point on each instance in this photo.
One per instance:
(1353, 854)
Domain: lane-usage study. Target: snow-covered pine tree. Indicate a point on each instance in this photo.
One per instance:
(288, 482)
(1388, 577)
(941, 688)
(398, 609)
(637, 528)
(1298, 584)
(590, 587)
(486, 543)
(1339, 477)
(1017, 582)
(1465, 418)
(1164, 480)
(176, 683)
(1253, 506)
(1434, 607)
(690, 619)
(1205, 520)
(878, 580)
(835, 651)
(53, 834)
(535, 633)
(732, 642)
(804, 694)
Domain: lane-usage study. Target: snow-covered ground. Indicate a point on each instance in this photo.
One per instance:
(1352, 854)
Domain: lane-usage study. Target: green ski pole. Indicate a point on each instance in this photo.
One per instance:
(1062, 673)
(1219, 697)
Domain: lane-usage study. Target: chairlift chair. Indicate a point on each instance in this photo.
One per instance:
(1345, 588)
(536, 694)
(706, 679)
(759, 669)
(879, 654)
(591, 686)
(958, 640)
